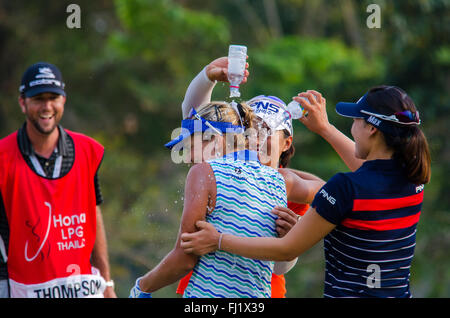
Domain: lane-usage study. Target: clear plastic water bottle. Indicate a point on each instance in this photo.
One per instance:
(275, 121)
(295, 109)
(237, 55)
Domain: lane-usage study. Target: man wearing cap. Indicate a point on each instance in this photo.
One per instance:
(50, 220)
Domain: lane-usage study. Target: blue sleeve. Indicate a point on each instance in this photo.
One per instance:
(335, 199)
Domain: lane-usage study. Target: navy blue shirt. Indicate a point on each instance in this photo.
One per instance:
(376, 210)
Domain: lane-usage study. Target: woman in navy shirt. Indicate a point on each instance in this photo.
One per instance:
(367, 217)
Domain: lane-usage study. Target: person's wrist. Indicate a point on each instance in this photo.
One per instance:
(207, 74)
(327, 131)
(137, 292)
(141, 286)
(110, 283)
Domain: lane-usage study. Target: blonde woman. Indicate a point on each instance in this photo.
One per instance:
(230, 189)
(274, 151)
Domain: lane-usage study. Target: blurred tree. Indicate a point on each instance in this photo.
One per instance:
(128, 66)
(160, 45)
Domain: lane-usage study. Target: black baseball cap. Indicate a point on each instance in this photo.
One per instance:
(42, 77)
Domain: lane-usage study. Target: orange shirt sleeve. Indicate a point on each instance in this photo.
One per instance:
(299, 209)
(278, 286)
(183, 283)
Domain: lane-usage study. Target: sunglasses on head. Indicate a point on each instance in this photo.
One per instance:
(405, 117)
(408, 117)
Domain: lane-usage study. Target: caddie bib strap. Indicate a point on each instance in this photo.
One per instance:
(3, 250)
(38, 168)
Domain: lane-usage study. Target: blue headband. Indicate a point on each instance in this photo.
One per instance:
(191, 126)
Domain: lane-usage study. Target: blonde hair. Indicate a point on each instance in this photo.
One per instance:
(223, 112)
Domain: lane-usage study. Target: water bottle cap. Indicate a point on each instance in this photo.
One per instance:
(234, 91)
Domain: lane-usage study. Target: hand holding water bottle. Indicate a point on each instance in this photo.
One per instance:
(217, 70)
(292, 111)
(315, 105)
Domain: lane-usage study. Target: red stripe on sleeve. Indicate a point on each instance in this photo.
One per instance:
(387, 204)
(382, 225)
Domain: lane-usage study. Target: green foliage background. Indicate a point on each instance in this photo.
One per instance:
(127, 68)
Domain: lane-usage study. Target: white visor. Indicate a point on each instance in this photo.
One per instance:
(271, 109)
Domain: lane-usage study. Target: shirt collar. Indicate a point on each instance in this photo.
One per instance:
(381, 164)
(62, 141)
(245, 155)
(27, 148)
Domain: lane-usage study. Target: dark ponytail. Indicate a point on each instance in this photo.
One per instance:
(408, 142)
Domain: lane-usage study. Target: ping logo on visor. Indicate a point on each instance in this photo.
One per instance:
(263, 104)
(271, 110)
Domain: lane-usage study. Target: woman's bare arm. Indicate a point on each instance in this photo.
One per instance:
(305, 175)
(317, 122)
(200, 187)
(300, 190)
(310, 229)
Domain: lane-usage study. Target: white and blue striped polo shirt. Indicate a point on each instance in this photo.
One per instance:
(247, 191)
